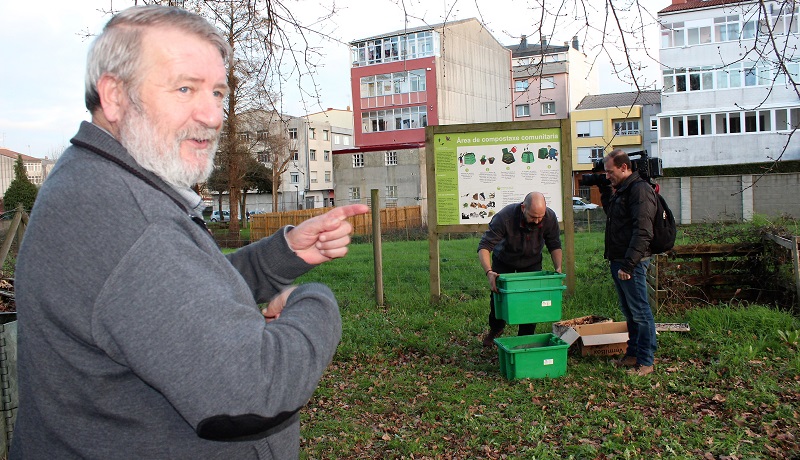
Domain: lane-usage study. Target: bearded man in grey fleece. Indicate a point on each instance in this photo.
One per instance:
(138, 338)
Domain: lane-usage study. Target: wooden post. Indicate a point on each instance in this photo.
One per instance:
(796, 263)
(376, 246)
(13, 229)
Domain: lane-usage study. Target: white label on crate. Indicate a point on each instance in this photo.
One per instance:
(547, 303)
(548, 362)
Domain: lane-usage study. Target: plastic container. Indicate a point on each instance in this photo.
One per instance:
(532, 356)
(529, 297)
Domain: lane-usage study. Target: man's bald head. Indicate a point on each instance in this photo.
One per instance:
(534, 207)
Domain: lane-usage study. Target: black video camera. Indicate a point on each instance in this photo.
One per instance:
(648, 168)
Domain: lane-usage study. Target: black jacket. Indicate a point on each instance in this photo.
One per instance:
(517, 244)
(630, 212)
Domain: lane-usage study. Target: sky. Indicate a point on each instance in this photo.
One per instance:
(43, 46)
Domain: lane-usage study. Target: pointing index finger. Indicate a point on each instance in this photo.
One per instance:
(343, 212)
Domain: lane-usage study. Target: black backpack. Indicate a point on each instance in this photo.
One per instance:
(664, 228)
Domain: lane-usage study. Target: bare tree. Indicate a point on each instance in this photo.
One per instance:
(273, 145)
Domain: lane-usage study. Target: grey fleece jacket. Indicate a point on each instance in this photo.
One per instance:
(138, 338)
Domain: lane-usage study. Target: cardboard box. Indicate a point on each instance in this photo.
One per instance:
(595, 339)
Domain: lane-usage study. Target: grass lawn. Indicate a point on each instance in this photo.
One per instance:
(411, 379)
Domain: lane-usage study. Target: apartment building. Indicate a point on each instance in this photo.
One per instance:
(549, 80)
(36, 169)
(604, 122)
(331, 130)
(405, 80)
(729, 73)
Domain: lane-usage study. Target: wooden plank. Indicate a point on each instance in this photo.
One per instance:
(687, 265)
(715, 249)
(718, 280)
(672, 327)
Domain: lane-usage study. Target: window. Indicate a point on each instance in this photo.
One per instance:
(391, 158)
(521, 85)
(587, 155)
(390, 49)
(749, 30)
(726, 28)
(692, 126)
(391, 192)
(548, 108)
(345, 140)
(327, 176)
(721, 122)
(705, 125)
(784, 18)
(547, 83)
(523, 110)
(665, 128)
(263, 156)
(735, 122)
(672, 35)
(326, 136)
(626, 128)
(393, 119)
(653, 123)
(781, 120)
(312, 133)
(593, 128)
(677, 127)
(693, 79)
(312, 155)
(326, 155)
(750, 122)
(312, 176)
(295, 155)
(292, 133)
(698, 35)
(358, 160)
(261, 135)
(355, 193)
(294, 178)
(393, 83)
(337, 139)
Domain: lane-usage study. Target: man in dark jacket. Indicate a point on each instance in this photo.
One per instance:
(513, 243)
(630, 212)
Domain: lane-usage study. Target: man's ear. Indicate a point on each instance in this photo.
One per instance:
(113, 98)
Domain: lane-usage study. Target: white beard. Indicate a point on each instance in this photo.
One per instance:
(160, 153)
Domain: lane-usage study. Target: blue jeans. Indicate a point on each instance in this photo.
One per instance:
(633, 302)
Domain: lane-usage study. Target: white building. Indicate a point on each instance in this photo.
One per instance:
(728, 95)
(332, 130)
(36, 169)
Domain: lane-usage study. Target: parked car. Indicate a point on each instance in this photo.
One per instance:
(580, 204)
(220, 216)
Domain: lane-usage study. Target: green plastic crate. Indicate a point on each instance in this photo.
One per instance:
(529, 297)
(532, 356)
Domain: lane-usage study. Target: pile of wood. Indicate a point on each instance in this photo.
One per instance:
(7, 295)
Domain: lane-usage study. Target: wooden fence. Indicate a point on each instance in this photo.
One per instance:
(710, 273)
(262, 225)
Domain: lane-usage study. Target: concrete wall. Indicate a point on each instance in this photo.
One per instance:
(408, 175)
(473, 75)
(731, 198)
